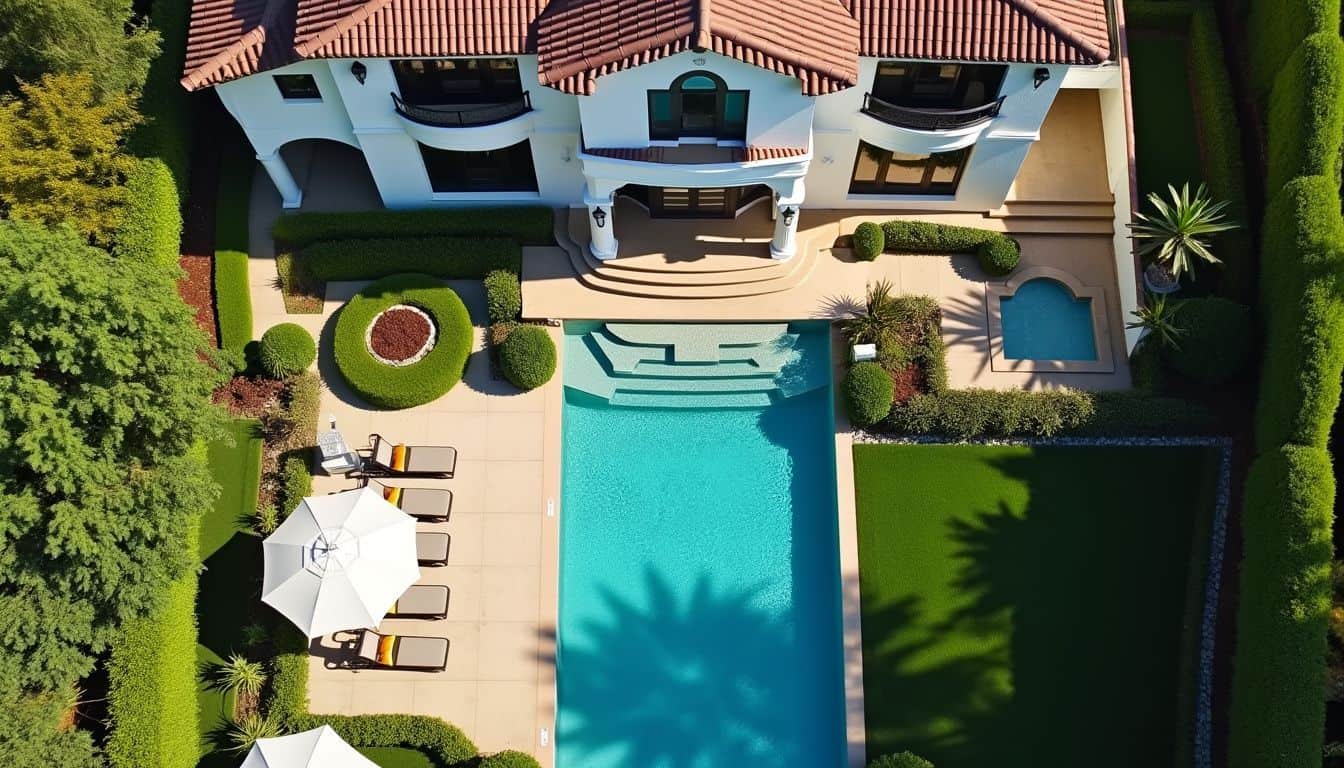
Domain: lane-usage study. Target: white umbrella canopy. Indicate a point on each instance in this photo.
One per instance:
(319, 748)
(339, 561)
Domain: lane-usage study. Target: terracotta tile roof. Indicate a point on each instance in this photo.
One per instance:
(676, 155)
(1043, 31)
(817, 41)
(812, 40)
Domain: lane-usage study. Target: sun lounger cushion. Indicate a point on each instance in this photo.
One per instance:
(386, 644)
(422, 600)
(429, 458)
(392, 495)
(399, 454)
(425, 502)
(423, 652)
(382, 452)
(431, 547)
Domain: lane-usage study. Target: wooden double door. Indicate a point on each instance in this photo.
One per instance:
(693, 202)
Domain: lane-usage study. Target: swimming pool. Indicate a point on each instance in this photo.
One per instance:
(1043, 321)
(699, 590)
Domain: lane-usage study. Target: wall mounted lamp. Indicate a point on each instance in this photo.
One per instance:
(360, 71)
(1042, 75)
(600, 216)
(788, 216)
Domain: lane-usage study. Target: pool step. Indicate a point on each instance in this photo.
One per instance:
(690, 400)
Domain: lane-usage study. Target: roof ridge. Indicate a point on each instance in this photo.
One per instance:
(339, 27)
(702, 35)
(253, 37)
(1046, 18)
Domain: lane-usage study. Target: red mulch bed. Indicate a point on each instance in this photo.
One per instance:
(907, 383)
(247, 397)
(195, 288)
(398, 334)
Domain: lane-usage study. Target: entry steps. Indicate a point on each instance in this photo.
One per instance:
(694, 365)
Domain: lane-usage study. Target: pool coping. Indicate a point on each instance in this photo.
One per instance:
(1101, 330)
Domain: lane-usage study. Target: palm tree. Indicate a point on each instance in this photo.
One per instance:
(1176, 233)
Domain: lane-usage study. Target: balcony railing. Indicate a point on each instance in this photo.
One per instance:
(463, 116)
(927, 119)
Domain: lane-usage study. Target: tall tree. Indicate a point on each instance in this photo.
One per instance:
(63, 156)
(66, 36)
(104, 398)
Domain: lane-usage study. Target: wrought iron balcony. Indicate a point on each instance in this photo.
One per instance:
(467, 116)
(929, 119)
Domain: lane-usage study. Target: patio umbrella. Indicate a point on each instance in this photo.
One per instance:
(320, 747)
(339, 561)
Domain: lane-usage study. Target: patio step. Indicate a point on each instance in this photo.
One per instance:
(1030, 225)
(1096, 209)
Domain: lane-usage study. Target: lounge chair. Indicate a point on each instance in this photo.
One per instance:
(409, 460)
(428, 505)
(422, 601)
(431, 549)
(380, 651)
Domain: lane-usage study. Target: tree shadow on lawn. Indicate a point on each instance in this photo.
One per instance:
(1067, 621)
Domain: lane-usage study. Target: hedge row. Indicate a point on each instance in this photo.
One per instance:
(526, 224)
(233, 297)
(1306, 113)
(1278, 27)
(1278, 699)
(996, 252)
(450, 258)
(152, 684)
(1169, 15)
(1220, 130)
(167, 131)
(966, 414)
(151, 224)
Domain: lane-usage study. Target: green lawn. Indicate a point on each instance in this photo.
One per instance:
(1165, 137)
(232, 559)
(1028, 607)
(397, 757)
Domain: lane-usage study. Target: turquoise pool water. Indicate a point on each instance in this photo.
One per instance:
(1042, 321)
(699, 594)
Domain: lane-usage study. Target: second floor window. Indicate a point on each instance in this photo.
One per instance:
(698, 105)
(880, 171)
(937, 85)
(297, 87)
(457, 81)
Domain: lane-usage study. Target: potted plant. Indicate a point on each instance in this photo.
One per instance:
(1173, 238)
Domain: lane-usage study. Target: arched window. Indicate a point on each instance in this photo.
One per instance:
(698, 104)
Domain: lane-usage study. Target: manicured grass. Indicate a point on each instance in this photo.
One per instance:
(232, 559)
(1164, 120)
(397, 757)
(1031, 606)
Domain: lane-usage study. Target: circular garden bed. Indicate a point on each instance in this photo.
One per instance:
(403, 341)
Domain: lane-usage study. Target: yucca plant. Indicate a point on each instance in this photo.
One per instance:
(1176, 233)
(877, 324)
(1158, 317)
(240, 675)
(247, 730)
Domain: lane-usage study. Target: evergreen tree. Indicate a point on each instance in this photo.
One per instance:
(42, 37)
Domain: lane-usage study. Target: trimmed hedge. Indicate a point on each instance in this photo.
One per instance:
(503, 296)
(1301, 274)
(1167, 15)
(1279, 27)
(296, 482)
(997, 253)
(167, 130)
(428, 379)
(152, 673)
(1306, 113)
(527, 358)
(510, 758)
(533, 225)
(1224, 169)
(151, 223)
(1278, 696)
(900, 760)
(442, 741)
(286, 349)
(868, 393)
(966, 414)
(1216, 339)
(869, 241)
(233, 296)
(450, 258)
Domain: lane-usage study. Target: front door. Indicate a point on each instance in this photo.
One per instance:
(693, 203)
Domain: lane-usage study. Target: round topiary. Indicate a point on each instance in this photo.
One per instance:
(510, 758)
(900, 760)
(868, 393)
(998, 255)
(869, 241)
(527, 357)
(503, 296)
(427, 379)
(286, 349)
(1215, 339)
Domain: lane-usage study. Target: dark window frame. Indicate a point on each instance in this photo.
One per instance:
(299, 86)
(926, 185)
(903, 90)
(452, 171)
(494, 84)
(722, 130)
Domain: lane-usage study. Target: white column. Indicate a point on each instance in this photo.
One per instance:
(788, 209)
(601, 226)
(290, 194)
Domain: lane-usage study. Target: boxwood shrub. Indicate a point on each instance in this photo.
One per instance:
(445, 743)
(527, 357)
(1216, 339)
(451, 258)
(533, 225)
(970, 413)
(868, 393)
(151, 223)
(998, 256)
(509, 758)
(869, 241)
(152, 674)
(900, 760)
(1278, 690)
(296, 482)
(420, 382)
(286, 349)
(1279, 28)
(1165, 15)
(997, 253)
(503, 296)
(233, 297)
(1306, 113)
